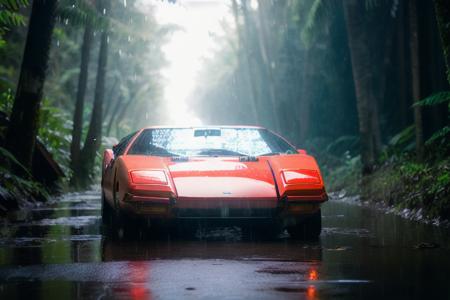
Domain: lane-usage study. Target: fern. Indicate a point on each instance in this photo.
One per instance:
(403, 137)
(438, 135)
(9, 18)
(9, 15)
(79, 13)
(5, 154)
(435, 99)
(13, 5)
(311, 21)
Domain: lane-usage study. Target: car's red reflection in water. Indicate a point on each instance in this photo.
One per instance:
(139, 275)
(311, 292)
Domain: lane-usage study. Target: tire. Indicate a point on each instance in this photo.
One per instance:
(307, 228)
(106, 211)
(115, 224)
(124, 226)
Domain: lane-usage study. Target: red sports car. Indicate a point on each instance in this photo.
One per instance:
(229, 173)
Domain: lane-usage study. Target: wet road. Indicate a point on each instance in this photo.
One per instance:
(57, 252)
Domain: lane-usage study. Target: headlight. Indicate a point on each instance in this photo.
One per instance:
(148, 177)
(301, 177)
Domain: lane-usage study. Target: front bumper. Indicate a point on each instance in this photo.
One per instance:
(219, 208)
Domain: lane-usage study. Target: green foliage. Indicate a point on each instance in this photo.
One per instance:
(310, 27)
(343, 144)
(346, 176)
(399, 144)
(55, 133)
(410, 169)
(12, 161)
(79, 13)
(442, 136)
(13, 4)
(403, 137)
(6, 101)
(14, 188)
(435, 99)
(9, 16)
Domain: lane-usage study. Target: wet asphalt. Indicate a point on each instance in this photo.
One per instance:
(58, 252)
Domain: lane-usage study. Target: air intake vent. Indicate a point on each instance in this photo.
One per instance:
(248, 158)
(180, 158)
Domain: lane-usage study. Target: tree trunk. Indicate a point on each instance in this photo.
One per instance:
(94, 135)
(304, 102)
(23, 127)
(113, 114)
(265, 50)
(404, 108)
(116, 118)
(415, 73)
(442, 8)
(258, 67)
(248, 65)
(110, 96)
(81, 92)
(362, 77)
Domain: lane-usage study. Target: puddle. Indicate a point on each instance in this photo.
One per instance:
(291, 289)
(280, 271)
(361, 232)
(75, 222)
(221, 233)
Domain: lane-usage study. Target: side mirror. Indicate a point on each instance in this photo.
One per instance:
(302, 151)
(108, 156)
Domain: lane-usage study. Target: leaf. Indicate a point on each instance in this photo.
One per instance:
(441, 133)
(9, 19)
(6, 154)
(435, 99)
(80, 13)
(403, 136)
(311, 21)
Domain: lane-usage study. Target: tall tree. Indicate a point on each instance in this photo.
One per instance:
(415, 73)
(94, 135)
(21, 134)
(363, 79)
(81, 92)
(265, 43)
(259, 66)
(442, 8)
(248, 70)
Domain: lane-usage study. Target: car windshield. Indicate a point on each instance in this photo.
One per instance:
(209, 142)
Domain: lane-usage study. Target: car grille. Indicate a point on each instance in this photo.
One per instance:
(224, 212)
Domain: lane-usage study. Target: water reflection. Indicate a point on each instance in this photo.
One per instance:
(362, 254)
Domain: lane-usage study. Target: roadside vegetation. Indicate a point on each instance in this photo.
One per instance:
(362, 85)
(96, 78)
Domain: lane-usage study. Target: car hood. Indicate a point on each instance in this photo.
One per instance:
(222, 177)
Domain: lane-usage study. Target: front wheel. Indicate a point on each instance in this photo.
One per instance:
(106, 211)
(307, 228)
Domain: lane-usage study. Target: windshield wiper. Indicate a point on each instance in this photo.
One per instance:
(217, 152)
(270, 154)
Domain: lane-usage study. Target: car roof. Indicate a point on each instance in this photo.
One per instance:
(205, 127)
